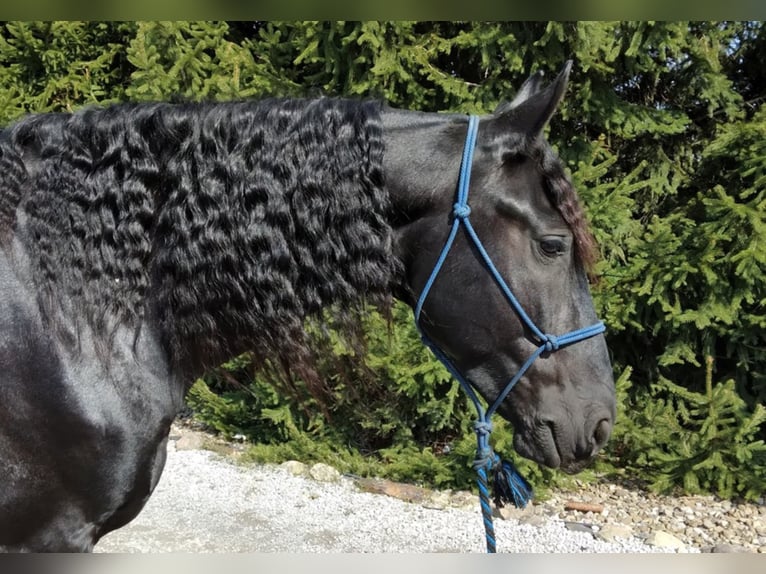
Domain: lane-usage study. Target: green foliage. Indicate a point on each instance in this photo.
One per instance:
(663, 131)
(700, 442)
(60, 66)
(190, 60)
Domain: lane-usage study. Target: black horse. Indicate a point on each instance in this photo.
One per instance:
(145, 243)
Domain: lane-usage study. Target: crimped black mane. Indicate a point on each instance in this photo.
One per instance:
(230, 223)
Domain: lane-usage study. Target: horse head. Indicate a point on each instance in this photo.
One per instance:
(525, 216)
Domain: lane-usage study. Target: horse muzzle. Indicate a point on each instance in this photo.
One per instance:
(561, 443)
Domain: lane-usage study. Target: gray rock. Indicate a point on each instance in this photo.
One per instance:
(621, 492)
(438, 500)
(509, 512)
(727, 548)
(662, 539)
(464, 499)
(611, 531)
(295, 468)
(533, 520)
(579, 527)
(324, 473)
(190, 441)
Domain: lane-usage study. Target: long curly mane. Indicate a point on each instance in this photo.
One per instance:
(228, 223)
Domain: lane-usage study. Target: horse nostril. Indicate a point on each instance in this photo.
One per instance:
(601, 433)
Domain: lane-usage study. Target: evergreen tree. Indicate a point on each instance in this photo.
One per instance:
(61, 66)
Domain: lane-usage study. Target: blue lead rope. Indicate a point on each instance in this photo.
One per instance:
(508, 484)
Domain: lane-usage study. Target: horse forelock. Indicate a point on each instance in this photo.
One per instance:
(229, 223)
(561, 193)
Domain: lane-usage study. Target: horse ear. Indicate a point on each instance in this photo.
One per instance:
(530, 87)
(532, 107)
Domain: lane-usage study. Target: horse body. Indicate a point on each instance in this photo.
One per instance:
(82, 444)
(145, 243)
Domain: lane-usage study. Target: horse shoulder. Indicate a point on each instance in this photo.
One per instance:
(82, 444)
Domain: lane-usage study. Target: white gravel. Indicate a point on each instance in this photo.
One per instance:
(205, 503)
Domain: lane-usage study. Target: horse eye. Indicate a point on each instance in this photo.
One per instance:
(552, 246)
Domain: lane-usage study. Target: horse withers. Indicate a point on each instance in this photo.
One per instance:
(145, 243)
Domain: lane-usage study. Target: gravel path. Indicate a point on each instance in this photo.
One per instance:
(206, 502)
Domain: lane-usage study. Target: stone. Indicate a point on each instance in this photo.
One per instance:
(507, 512)
(190, 441)
(727, 548)
(662, 539)
(578, 527)
(609, 532)
(464, 499)
(533, 520)
(324, 473)
(400, 490)
(295, 468)
(677, 526)
(437, 500)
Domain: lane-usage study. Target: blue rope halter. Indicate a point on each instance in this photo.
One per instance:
(509, 485)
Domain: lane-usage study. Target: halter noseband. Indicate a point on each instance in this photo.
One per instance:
(510, 486)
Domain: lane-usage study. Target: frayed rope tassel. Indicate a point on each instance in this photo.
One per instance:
(508, 486)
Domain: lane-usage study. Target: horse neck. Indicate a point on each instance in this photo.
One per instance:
(421, 166)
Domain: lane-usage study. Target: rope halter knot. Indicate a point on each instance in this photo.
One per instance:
(461, 211)
(551, 343)
(485, 456)
(483, 428)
